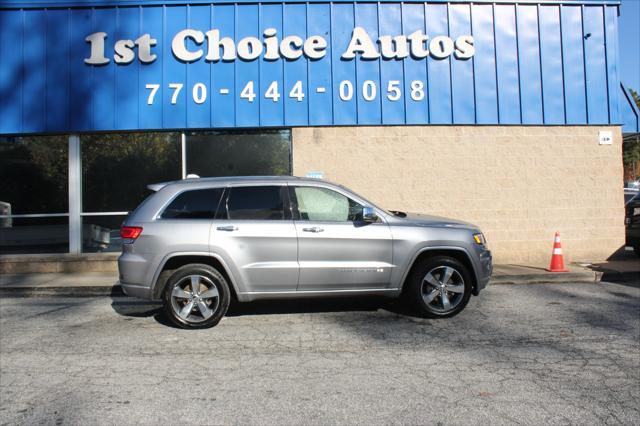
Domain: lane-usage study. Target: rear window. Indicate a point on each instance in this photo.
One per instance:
(256, 202)
(195, 204)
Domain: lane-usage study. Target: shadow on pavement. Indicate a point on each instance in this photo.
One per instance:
(317, 305)
(136, 308)
(623, 254)
(130, 308)
(625, 272)
(623, 282)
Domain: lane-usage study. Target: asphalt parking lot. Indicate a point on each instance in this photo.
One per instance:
(530, 354)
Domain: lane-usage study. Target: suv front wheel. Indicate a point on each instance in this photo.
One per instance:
(439, 287)
(196, 296)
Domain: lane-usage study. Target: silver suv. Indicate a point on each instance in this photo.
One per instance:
(198, 243)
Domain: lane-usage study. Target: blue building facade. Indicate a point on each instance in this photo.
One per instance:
(162, 65)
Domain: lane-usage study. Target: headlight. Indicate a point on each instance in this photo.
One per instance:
(479, 239)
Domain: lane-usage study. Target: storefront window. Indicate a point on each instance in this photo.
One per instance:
(34, 195)
(239, 153)
(24, 235)
(116, 168)
(101, 233)
(34, 174)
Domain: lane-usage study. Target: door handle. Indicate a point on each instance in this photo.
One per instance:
(315, 229)
(228, 228)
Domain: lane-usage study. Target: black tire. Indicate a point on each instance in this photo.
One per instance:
(460, 280)
(195, 318)
(636, 249)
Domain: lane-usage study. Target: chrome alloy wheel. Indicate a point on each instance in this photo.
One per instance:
(443, 289)
(195, 298)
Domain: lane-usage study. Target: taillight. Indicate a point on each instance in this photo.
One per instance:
(130, 232)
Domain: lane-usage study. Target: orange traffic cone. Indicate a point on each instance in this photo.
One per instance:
(557, 261)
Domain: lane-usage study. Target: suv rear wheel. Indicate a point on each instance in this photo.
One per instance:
(439, 287)
(196, 296)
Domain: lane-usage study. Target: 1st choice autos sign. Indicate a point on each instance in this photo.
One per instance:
(191, 45)
(248, 65)
(149, 65)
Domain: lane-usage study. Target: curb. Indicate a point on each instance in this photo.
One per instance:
(548, 278)
(84, 291)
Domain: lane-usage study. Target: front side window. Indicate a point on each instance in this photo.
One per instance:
(321, 204)
(195, 204)
(256, 203)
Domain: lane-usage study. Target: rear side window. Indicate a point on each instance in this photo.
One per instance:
(256, 203)
(196, 204)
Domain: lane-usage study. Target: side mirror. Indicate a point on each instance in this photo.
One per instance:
(369, 215)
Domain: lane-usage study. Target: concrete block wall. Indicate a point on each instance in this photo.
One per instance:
(58, 263)
(518, 183)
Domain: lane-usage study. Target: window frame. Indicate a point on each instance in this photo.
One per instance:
(284, 195)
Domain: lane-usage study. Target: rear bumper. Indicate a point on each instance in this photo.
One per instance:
(135, 290)
(133, 270)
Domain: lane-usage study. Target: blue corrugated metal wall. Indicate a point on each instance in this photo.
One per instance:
(547, 63)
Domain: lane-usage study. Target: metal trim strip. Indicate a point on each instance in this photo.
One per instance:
(38, 4)
(34, 215)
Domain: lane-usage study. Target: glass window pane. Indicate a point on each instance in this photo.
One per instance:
(239, 153)
(256, 202)
(116, 168)
(199, 204)
(101, 233)
(322, 204)
(34, 174)
(34, 235)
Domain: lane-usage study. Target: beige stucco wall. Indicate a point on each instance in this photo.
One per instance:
(520, 184)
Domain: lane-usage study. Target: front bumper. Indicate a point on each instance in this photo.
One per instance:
(486, 269)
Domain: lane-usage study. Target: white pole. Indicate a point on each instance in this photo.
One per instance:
(184, 155)
(75, 195)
